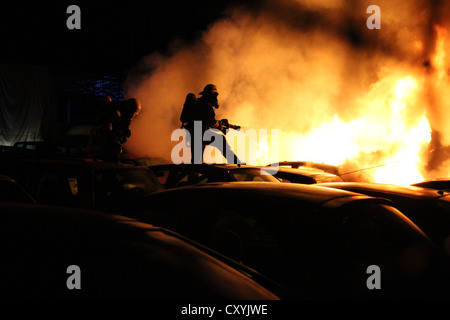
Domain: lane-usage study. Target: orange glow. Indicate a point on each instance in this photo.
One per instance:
(336, 141)
(418, 45)
(381, 108)
(411, 141)
(439, 59)
(386, 125)
(404, 170)
(262, 153)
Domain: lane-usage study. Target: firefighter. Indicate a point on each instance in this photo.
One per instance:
(204, 111)
(126, 111)
(101, 128)
(112, 129)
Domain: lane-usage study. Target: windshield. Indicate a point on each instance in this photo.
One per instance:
(253, 174)
(327, 178)
(116, 185)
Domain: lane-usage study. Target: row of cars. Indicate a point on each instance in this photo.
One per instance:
(277, 240)
(426, 203)
(226, 227)
(178, 175)
(57, 216)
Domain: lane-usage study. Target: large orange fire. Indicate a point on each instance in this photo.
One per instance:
(385, 126)
(377, 105)
(336, 142)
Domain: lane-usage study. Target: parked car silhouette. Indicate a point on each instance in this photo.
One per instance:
(43, 246)
(427, 208)
(437, 184)
(316, 241)
(308, 164)
(303, 175)
(81, 183)
(177, 175)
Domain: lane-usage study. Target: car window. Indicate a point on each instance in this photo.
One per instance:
(59, 188)
(252, 175)
(192, 178)
(380, 225)
(116, 185)
(161, 175)
(328, 178)
(295, 178)
(176, 176)
(183, 178)
(380, 235)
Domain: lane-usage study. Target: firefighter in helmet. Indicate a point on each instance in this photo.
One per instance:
(112, 128)
(205, 112)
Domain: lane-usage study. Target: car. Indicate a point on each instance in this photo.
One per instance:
(52, 252)
(318, 242)
(141, 160)
(307, 164)
(11, 191)
(437, 184)
(178, 175)
(427, 208)
(304, 175)
(82, 183)
(46, 149)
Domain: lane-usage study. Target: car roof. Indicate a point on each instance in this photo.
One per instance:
(4, 177)
(212, 166)
(309, 193)
(301, 171)
(75, 162)
(436, 179)
(307, 164)
(168, 248)
(393, 189)
(434, 183)
(231, 166)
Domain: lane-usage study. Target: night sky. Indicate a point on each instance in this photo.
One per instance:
(113, 37)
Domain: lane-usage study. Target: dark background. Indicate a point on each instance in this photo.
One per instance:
(113, 37)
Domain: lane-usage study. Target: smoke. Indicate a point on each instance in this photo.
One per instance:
(295, 66)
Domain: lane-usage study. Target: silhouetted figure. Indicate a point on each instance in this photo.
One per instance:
(126, 111)
(111, 128)
(202, 109)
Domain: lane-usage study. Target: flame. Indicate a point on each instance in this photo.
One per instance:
(385, 128)
(388, 127)
(439, 59)
(418, 45)
(406, 160)
(332, 142)
(405, 168)
(263, 153)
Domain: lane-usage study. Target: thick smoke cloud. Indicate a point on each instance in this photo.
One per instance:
(297, 65)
